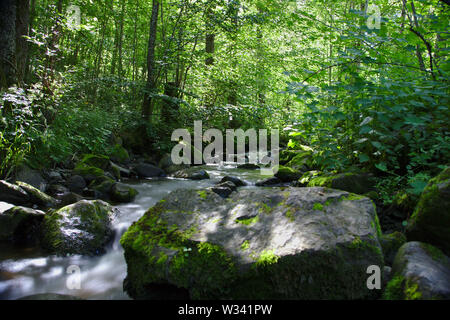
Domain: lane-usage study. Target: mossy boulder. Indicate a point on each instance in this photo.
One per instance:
(119, 154)
(420, 272)
(12, 193)
(122, 193)
(391, 243)
(38, 197)
(287, 174)
(93, 160)
(265, 243)
(192, 173)
(20, 225)
(102, 187)
(301, 162)
(87, 172)
(351, 182)
(430, 221)
(81, 228)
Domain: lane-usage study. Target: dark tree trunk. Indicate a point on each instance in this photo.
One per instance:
(22, 24)
(210, 38)
(8, 75)
(151, 85)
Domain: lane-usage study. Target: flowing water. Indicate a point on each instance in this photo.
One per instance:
(29, 271)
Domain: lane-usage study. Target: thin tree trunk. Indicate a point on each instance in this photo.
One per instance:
(22, 24)
(151, 85)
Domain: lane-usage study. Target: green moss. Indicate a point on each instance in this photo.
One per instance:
(287, 174)
(322, 181)
(412, 291)
(207, 264)
(434, 252)
(394, 289)
(266, 258)
(290, 214)
(318, 206)
(248, 221)
(264, 208)
(245, 245)
(202, 194)
(118, 153)
(84, 170)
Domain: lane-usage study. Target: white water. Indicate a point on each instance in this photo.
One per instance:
(25, 272)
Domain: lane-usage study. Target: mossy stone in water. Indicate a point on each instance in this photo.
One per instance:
(81, 228)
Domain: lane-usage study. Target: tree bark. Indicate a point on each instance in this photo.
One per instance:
(7, 43)
(151, 85)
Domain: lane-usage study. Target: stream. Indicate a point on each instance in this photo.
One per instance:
(29, 271)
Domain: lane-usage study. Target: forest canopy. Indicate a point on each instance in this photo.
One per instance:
(363, 83)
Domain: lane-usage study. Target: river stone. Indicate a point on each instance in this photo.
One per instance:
(420, 272)
(123, 193)
(236, 181)
(358, 183)
(430, 221)
(224, 189)
(20, 225)
(265, 243)
(268, 182)
(145, 170)
(81, 228)
(287, 174)
(193, 173)
(38, 197)
(12, 193)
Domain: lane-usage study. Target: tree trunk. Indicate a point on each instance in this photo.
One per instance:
(22, 23)
(210, 38)
(122, 16)
(151, 85)
(7, 43)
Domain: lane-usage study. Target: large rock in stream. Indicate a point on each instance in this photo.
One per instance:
(83, 228)
(265, 243)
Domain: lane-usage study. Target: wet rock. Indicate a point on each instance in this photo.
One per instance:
(81, 228)
(420, 272)
(275, 243)
(122, 193)
(193, 173)
(145, 170)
